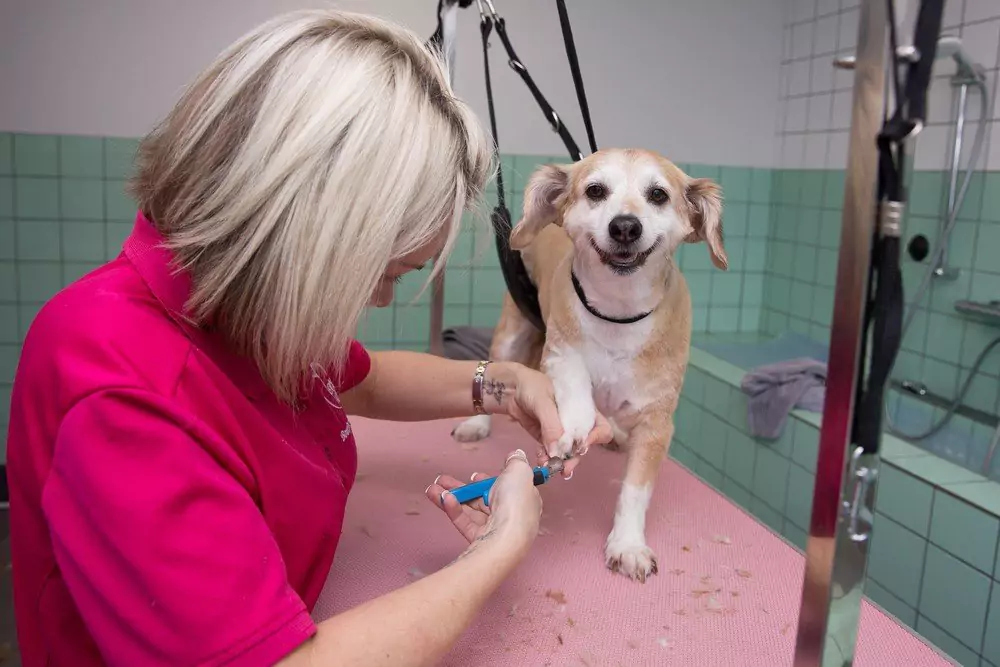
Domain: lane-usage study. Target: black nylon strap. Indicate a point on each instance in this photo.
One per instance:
(883, 317)
(925, 40)
(886, 329)
(574, 66)
(522, 291)
(485, 28)
(550, 114)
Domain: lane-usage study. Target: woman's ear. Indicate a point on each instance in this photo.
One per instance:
(705, 201)
(541, 199)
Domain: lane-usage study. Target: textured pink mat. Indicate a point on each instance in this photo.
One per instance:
(727, 593)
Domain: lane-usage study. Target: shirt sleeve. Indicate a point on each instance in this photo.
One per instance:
(356, 368)
(166, 556)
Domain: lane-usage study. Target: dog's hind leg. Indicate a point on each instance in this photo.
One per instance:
(626, 550)
(514, 339)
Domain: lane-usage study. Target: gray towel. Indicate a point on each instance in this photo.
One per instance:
(471, 343)
(777, 389)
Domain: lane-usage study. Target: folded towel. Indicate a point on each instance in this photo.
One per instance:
(470, 343)
(777, 389)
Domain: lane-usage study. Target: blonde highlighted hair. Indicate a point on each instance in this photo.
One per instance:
(315, 150)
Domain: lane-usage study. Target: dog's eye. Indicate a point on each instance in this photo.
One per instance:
(658, 196)
(596, 192)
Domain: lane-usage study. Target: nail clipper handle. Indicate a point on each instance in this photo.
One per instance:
(473, 490)
(481, 488)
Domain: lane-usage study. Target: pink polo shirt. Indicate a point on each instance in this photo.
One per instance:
(166, 509)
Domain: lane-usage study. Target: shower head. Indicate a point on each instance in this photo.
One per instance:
(951, 47)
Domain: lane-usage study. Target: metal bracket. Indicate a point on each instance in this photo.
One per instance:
(904, 54)
(861, 479)
(891, 218)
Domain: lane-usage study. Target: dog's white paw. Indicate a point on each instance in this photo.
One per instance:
(577, 422)
(633, 559)
(472, 429)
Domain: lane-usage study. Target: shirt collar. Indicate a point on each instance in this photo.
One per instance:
(171, 286)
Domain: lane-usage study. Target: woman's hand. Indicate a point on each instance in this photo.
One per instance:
(511, 520)
(532, 404)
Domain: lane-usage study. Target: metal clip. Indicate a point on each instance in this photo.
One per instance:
(861, 478)
(904, 54)
(493, 10)
(890, 218)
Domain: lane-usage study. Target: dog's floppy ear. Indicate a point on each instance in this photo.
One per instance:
(541, 198)
(705, 201)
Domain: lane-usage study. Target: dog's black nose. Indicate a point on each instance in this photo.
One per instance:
(625, 228)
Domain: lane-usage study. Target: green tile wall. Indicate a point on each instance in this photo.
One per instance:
(63, 212)
(941, 345)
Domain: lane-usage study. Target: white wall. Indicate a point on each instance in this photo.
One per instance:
(696, 79)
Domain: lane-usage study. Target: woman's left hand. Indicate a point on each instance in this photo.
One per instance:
(532, 404)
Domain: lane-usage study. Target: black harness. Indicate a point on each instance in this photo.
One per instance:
(523, 292)
(883, 315)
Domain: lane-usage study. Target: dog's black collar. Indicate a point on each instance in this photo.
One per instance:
(578, 288)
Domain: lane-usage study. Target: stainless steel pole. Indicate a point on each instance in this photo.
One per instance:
(837, 548)
(437, 286)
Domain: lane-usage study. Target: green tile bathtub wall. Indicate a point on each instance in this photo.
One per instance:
(64, 211)
(934, 562)
(941, 346)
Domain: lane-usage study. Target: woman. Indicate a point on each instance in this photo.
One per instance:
(180, 454)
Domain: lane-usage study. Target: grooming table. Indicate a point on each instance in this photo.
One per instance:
(727, 593)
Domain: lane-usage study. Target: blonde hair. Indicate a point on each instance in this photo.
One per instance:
(315, 150)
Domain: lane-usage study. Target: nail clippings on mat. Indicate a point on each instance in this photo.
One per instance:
(556, 596)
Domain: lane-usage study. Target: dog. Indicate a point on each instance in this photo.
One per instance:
(598, 239)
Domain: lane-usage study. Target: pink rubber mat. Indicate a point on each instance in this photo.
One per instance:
(727, 592)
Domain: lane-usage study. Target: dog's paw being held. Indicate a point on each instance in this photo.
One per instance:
(472, 430)
(577, 425)
(634, 560)
(561, 448)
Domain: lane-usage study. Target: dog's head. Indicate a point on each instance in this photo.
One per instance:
(625, 206)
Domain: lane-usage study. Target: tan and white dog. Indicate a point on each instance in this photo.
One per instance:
(598, 240)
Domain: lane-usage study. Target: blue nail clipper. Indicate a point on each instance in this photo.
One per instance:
(481, 489)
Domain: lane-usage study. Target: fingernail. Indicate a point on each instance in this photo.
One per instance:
(436, 479)
(428, 489)
(472, 478)
(569, 477)
(441, 498)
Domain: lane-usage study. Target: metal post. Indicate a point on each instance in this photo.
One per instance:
(437, 315)
(837, 548)
(437, 286)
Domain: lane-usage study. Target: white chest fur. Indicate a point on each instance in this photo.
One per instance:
(610, 352)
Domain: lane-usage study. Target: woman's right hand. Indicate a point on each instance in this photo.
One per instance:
(510, 522)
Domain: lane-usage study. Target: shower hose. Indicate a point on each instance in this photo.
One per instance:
(924, 287)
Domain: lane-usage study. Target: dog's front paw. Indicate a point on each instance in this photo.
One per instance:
(633, 559)
(577, 423)
(472, 429)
